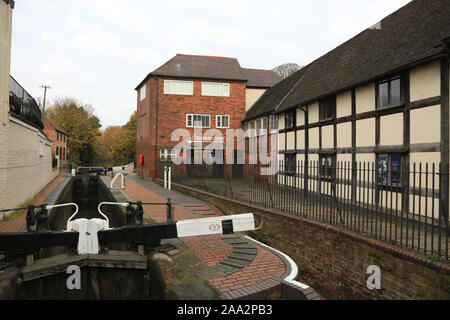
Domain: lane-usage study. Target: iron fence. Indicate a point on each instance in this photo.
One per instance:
(405, 206)
(23, 105)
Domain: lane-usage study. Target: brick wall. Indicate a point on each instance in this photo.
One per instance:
(165, 113)
(61, 144)
(334, 262)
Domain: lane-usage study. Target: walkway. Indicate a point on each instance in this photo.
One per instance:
(18, 223)
(244, 267)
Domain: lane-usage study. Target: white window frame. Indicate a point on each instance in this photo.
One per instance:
(170, 90)
(252, 129)
(143, 92)
(224, 90)
(219, 121)
(192, 125)
(167, 155)
(272, 120)
(262, 127)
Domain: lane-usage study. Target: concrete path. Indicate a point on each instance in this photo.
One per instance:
(243, 267)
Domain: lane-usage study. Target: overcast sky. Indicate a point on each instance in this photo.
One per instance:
(98, 51)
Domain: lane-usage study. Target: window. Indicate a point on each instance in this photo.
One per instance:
(223, 121)
(215, 89)
(142, 92)
(290, 119)
(252, 129)
(167, 155)
(389, 169)
(57, 151)
(179, 87)
(389, 92)
(262, 127)
(198, 121)
(273, 123)
(327, 165)
(327, 109)
(64, 154)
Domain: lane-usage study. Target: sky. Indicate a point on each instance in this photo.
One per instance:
(98, 51)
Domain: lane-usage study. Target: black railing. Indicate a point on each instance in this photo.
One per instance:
(23, 105)
(402, 206)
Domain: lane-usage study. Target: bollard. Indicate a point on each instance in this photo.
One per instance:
(169, 173)
(165, 177)
(170, 217)
(139, 213)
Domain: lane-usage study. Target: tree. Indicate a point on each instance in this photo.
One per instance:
(287, 69)
(114, 141)
(82, 126)
(117, 144)
(131, 127)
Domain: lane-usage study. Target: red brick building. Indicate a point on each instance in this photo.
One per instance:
(193, 91)
(60, 140)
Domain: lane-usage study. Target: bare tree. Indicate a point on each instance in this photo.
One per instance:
(287, 69)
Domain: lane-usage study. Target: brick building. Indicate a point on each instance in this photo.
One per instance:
(60, 140)
(193, 91)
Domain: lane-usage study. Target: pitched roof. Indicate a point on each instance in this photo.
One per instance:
(274, 96)
(413, 33)
(210, 67)
(261, 78)
(55, 125)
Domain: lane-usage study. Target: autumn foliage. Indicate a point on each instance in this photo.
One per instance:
(88, 145)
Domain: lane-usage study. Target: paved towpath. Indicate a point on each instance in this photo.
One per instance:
(243, 266)
(19, 224)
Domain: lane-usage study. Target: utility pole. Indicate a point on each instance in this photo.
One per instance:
(45, 95)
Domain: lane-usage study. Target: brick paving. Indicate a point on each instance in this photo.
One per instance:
(262, 271)
(19, 224)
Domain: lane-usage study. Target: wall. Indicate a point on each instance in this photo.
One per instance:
(160, 114)
(51, 132)
(334, 262)
(252, 95)
(5, 57)
(27, 172)
(412, 129)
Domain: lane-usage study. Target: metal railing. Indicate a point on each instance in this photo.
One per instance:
(405, 206)
(23, 105)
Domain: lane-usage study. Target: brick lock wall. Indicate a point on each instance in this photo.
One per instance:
(334, 262)
(171, 115)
